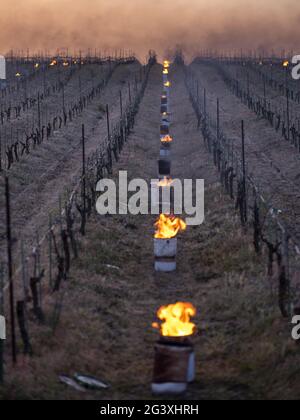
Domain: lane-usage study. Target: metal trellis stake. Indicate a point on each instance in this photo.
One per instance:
(10, 272)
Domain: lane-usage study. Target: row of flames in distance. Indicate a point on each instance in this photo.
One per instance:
(174, 365)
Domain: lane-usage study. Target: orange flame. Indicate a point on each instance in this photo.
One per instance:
(166, 71)
(166, 64)
(286, 63)
(166, 139)
(166, 182)
(53, 63)
(168, 227)
(167, 84)
(177, 319)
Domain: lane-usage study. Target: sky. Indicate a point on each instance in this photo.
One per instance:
(141, 25)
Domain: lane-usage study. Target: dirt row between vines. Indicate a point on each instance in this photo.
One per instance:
(243, 348)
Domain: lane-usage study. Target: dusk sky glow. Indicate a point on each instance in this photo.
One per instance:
(144, 24)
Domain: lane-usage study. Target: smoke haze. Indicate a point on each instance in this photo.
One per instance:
(143, 24)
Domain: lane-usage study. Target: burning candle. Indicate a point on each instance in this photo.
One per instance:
(174, 365)
(165, 149)
(164, 118)
(168, 226)
(164, 111)
(176, 320)
(167, 139)
(165, 182)
(165, 241)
